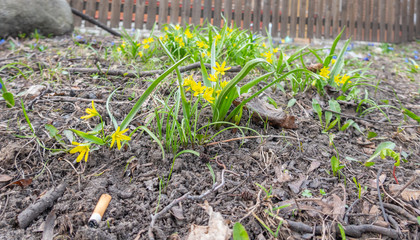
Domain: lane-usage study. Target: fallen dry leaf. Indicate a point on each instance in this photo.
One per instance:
(407, 194)
(339, 206)
(372, 182)
(5, 178)
(217, 228)
(315, 67)
(295, 186)
(263, 111)
(282, 175)
(314, 165)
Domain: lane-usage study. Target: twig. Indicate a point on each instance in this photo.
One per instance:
(406, 185)
(76, 99)
(346, 218)
(368, 120)
(178, 200)
(46, 201)
(97, 23)
(249, 137)
(133, 74)
(379, 195)
(11, 58)
(400, 211)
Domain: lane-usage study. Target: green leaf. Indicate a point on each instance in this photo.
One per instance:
(317, 108)
(291, 102)
(418, 220)
(371, 135)
(307, 193)
(369, 164)
(382, 146)
(347, 124)
(342, 232)
(147, 93)
(10, 100)
(411, 114)
(88, 137)
(239, 232)
(53, 132)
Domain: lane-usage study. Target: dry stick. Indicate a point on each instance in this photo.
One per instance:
(379, 195)
(176, 201)
(406, 185)
(132, 74)
(97, 23)
(400, 211)
(29, 214)
(368, 120)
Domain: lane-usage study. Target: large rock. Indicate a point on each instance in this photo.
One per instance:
(24, 16)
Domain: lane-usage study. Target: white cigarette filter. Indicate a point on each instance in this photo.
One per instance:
(99, 210)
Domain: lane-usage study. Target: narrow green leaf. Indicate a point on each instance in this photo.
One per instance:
(88, 137)
(411, 114)
(147, 93)
(10, 100)
(291, 102)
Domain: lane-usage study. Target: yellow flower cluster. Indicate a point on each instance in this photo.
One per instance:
(221, 68)
(324, 72)
(188, 34)
(207, 92)
(180, 41)
(341, 79)
(268, 56)
(202, 44)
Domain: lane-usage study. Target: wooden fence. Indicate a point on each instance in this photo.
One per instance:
(365, 20)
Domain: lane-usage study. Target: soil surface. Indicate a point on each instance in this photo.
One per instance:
(283, 177)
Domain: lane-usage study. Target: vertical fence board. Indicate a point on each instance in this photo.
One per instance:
(418, 19)
(256, 18)
(266, 17)
(397, 15)
(411, 33)
(375, 22)
(196, 12)
(368, 21)
(382, 21)
(103, 11)
(336, 18)
(302, 19)
(311, 10)
(319, 18)
(293, 18)
(404, 34)
(352, 18)
(151, 14)
(359, 26)
(163, 12)
(238, 12)
(207, 11)
(175, 12)
(284, 18)
(328, 16)
(343, 19)
(275, 29)
(185, 12)
(228, 12)
(217, 13)
(247, 14)
(389, 20)
(128, 14)
(116, 13)
(90, 11)
(78, 5)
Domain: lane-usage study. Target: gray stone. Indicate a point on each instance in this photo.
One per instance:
(24, 16)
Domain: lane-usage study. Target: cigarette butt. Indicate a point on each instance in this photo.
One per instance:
(99, 211)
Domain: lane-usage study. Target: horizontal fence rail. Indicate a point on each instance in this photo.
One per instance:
(392, 21)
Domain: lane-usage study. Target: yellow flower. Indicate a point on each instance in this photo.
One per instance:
(202, 44)
(213, 77)
(188, 34)
(188, 80)
(138, 44)
(123, 45)
(234, 45)
(268, 56)
(275, 50)
(283, 41)
(140, 53)
(223, 84)
(145, 41)
(197, 88)
(177, 27)
(208, 95)
(221, 68)
(263, 45)
(91, 112)
(119, 136)
(217, 37)
(341, 80)
(416, 66)
(118, 49)
(166, 29)
(161, 38)
(333, 61)
(146, 46)
(82, 149)
(150, 40)
(324, 72)
(229, 30)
